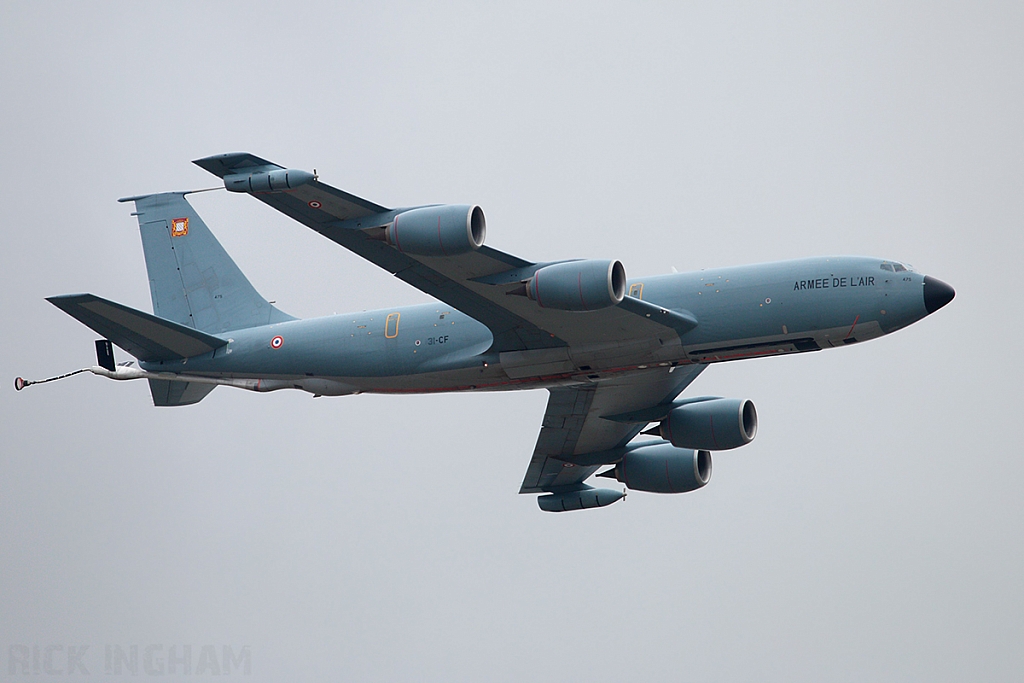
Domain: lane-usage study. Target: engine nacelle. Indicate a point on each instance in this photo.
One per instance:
(716, 425)
(579, 500)
(578, 285)
(438, 230)
(270, 181)
(663, 468)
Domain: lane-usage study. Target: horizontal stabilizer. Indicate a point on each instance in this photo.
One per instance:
(234, 163)
(143, 335)
(167, 393)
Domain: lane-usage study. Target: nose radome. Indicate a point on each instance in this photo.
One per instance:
(936, 294)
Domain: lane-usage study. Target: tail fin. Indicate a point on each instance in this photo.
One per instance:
(192, 279)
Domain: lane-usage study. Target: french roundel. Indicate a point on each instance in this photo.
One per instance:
(277, 342)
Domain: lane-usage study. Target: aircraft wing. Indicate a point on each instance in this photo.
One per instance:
(574, 432)
(475, 283)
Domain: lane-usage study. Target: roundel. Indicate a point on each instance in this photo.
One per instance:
(277, 342)
(315, 204)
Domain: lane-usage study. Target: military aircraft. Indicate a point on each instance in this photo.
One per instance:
(613, 353)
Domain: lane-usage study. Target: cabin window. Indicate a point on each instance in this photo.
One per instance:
(391, 325)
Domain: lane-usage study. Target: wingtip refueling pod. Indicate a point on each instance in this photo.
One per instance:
(582, 499)
(268, 181)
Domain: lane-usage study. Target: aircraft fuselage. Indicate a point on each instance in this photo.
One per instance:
(743, 312)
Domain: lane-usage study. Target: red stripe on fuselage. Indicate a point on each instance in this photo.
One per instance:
(852, 326)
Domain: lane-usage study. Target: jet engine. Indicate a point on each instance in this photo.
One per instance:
(578, 285)
(715, 425)
(662, 468)
(438, 230)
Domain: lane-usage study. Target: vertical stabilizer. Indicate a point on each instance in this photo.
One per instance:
(192, 279)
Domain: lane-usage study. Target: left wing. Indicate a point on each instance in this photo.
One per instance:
(575, 434)
(475, 283)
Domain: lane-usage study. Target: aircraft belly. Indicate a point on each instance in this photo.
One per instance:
(541, 362)
(491, 378)
(779, 344)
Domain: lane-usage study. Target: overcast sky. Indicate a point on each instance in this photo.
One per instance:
(872, 532)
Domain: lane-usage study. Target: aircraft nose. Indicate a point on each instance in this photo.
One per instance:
(936, 294)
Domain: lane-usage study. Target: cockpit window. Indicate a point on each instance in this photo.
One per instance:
(900, 268)
(886, 266)
(895, 267)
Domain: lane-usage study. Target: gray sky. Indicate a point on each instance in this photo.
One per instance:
(871, 532)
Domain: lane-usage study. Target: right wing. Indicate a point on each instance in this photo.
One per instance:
(476, 283)
(575, 424)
